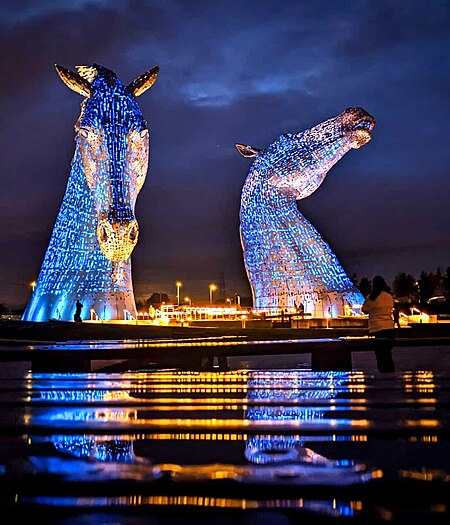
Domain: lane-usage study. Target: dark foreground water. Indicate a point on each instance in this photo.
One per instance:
(268, 442)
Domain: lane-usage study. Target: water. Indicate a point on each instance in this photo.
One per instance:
(269, 441)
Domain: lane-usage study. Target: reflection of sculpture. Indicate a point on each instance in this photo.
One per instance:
(285, 387)
(270, 396)
(112, 427)
(96, 229)
(286, 259)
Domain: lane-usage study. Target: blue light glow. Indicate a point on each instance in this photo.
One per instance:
(106, 448)
(287, 386)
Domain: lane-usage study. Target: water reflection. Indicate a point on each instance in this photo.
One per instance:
(284, 386)
(274, 439)
(325, 507)
(101, 448)
(290, 397)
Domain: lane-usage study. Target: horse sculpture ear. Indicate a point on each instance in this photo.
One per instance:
(247, 151)
(144, 82)
(73, 81)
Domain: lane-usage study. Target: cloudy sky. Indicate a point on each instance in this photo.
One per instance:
(233, 71)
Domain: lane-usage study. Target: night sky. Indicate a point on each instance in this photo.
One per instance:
(233, 71)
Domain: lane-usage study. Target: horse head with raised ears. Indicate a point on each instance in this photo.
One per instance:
(112, 149)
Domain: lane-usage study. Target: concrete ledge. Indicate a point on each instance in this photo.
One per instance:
(338, 322)
(216, 323)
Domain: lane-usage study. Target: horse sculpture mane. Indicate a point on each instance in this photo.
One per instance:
(286, 259)
(88, 257)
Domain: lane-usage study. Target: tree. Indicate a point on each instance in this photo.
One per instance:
(438, 283)
(365, 286)
(447, 283)
(3, 309)
(425, 286)
(141, 305)
(158, 298)
(404, 287)
(155, 299)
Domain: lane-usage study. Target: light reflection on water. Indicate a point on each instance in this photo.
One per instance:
(331, 507)
(292, 397)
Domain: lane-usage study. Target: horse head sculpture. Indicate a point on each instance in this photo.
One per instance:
(299, 162)
(88, 258)
(113, 143)
(287, 261)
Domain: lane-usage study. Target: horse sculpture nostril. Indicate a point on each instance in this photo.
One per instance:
(103, 234)
(133, 233)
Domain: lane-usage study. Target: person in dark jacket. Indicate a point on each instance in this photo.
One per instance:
(78, 308)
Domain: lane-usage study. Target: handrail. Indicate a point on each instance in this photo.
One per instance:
(130, 316)
(94, 314)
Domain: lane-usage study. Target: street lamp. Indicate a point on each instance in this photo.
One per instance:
(238, 299)
(188, 300)
(33, 285)
(179, 285)
(212, 288)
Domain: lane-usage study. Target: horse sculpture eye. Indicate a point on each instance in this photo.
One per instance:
(84, 132)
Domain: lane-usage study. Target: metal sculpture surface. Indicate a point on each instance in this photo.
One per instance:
(287, 261)
(88, 257)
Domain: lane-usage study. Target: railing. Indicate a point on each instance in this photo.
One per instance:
(128, 316)
(94, 315)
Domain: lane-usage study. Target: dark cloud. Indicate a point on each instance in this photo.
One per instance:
(386, 24)
(71, 37)
(233, 72)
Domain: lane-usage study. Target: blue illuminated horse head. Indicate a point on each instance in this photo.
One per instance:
(112, 149)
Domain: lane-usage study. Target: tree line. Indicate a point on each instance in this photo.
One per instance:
(406, 288)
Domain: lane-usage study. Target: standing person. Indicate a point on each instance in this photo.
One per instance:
(77, 316)
(379, 305)
(396, 315)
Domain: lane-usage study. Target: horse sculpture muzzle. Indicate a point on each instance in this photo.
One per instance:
(117, 240)
(357, 124)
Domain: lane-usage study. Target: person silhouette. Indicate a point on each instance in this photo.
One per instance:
(77, 316)
(301, 310)
(396, 315)
(379, 305)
